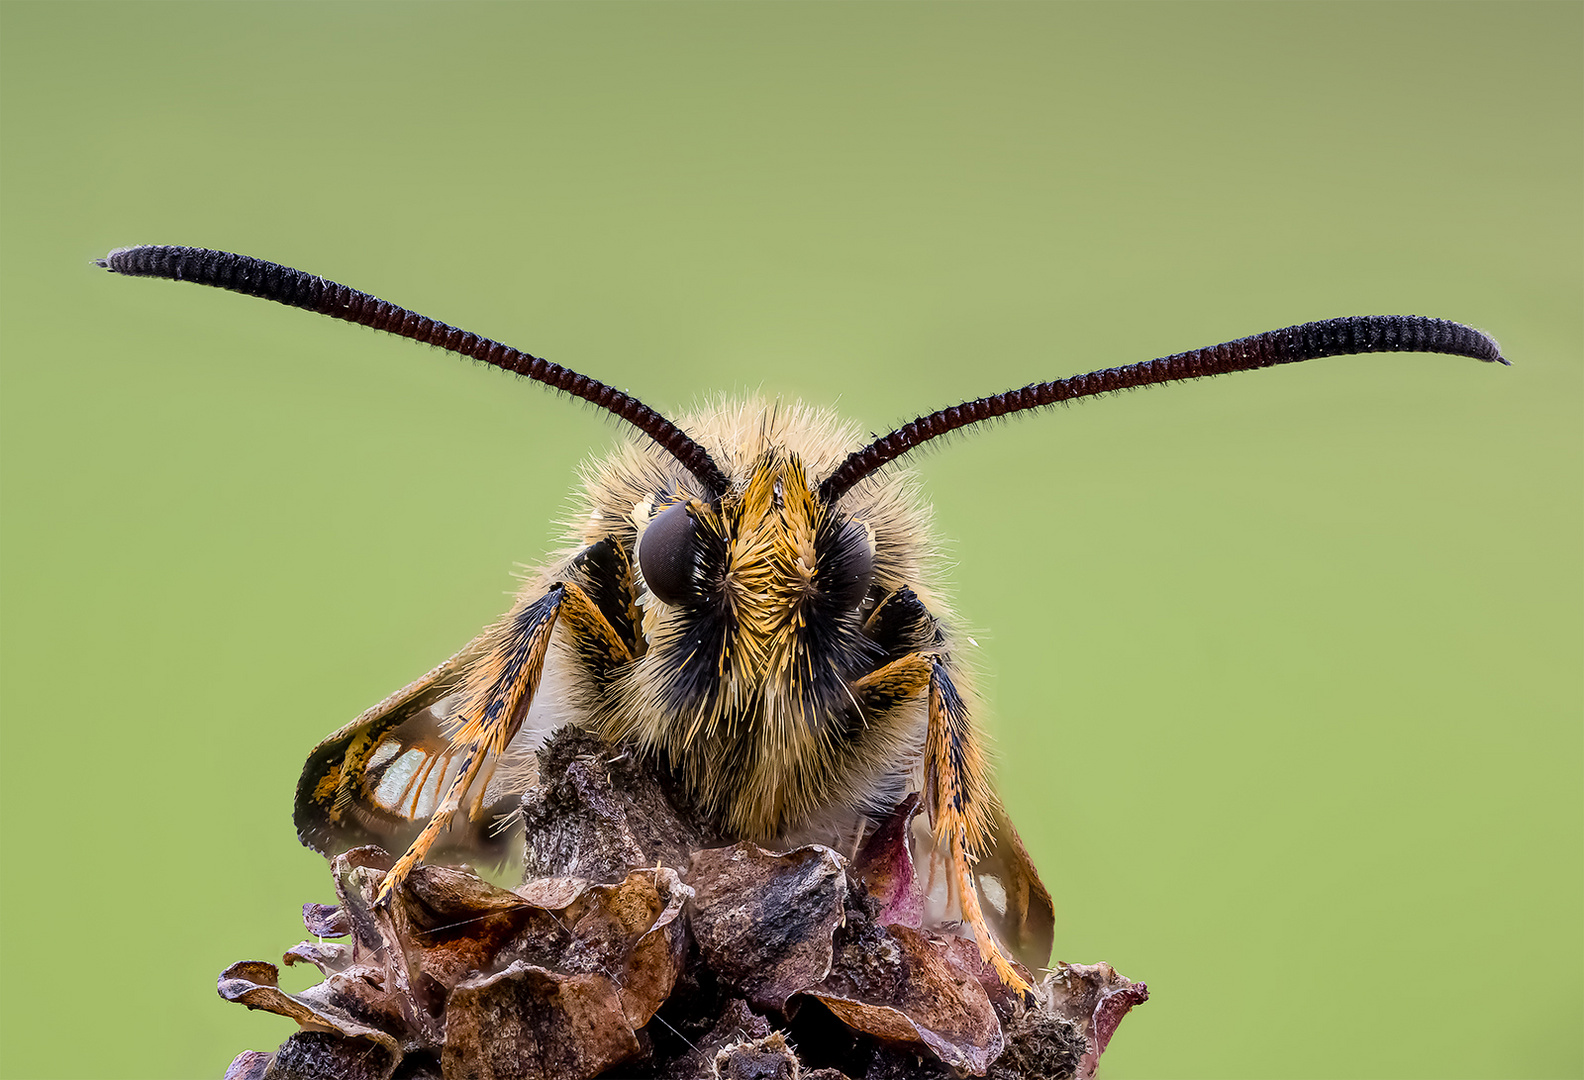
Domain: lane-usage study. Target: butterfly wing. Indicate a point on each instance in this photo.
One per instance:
(383, 778)
(379, 779)
(1016, 903)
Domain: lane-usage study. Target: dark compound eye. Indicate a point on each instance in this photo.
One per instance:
(668, 554)
(849, 566)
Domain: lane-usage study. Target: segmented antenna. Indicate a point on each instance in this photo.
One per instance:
(282, 284)
(1311, 341)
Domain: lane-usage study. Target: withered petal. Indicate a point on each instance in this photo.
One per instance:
(963, 954)
(527, 1023)
(894, 983)
(249, 1065)
(634, 933)
(361, 995)
(1113, 1006)
(442, 898)
(885, 866)
(764, 922)
(256, 984)
(552, 893)
(1095, 998)
(327, 956)
(357, 874)
(326, 920)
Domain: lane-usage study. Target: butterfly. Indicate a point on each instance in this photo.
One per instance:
(749, 597)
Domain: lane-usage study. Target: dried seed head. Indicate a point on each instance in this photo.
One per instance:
(806, 964)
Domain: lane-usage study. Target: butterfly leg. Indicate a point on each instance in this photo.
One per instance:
(961, 806)
(499, 688)
(957, 793)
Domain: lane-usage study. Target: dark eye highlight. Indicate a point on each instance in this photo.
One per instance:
(668, 555)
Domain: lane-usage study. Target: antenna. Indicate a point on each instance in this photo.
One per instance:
(1310, 341)
(282, 284)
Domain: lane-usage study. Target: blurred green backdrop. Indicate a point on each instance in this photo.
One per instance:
(1285, 670)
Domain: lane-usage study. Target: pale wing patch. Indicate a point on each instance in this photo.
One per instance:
(383, 754)
(414, 782)
(993, 892)
(396, 781)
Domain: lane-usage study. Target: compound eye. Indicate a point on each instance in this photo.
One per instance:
(668, 554)
(851, 566)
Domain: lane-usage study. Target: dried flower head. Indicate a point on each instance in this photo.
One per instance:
(642, 945)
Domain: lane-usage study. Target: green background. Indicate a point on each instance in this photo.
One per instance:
(1284, 670)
